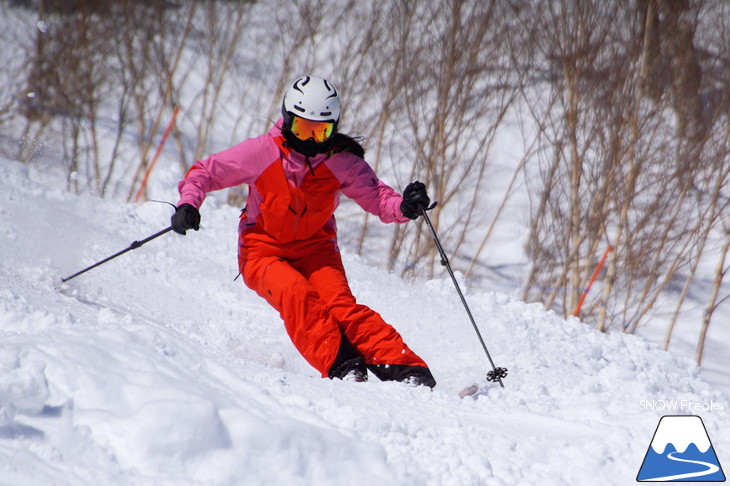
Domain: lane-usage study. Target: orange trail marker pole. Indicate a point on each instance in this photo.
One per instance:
(593, 279)
(157, 154)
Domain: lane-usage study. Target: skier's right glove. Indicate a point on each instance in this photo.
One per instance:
(415, 199)
(186, 217)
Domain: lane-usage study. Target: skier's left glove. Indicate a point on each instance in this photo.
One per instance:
(415, 199)
(186, 217)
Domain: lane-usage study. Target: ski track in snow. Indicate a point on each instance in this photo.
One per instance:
(158, 369)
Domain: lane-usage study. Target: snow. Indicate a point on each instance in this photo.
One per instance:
(157, 368)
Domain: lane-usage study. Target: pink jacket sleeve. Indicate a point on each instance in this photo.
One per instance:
(360, 184)
(240, 164)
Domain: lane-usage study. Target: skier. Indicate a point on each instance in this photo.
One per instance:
(287, 250)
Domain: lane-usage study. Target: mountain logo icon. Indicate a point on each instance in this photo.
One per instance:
(681, 451)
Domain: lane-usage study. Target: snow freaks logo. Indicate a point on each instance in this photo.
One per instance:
(681, 451)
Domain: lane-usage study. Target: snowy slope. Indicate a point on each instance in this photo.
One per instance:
(159, 369)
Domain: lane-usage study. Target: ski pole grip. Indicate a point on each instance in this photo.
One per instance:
(193, 219)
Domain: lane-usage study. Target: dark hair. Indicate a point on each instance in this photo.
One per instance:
(346, 143)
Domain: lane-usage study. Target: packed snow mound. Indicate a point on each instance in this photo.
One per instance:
(159, 368)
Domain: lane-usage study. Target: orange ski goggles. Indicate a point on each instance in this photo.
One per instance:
(305, 129)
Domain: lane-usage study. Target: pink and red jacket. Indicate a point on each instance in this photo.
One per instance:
(290, 198)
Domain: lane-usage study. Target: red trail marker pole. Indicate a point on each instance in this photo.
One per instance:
(143, 184)
(593, 279)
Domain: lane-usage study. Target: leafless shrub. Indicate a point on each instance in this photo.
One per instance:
(631, 154)
(443, 92)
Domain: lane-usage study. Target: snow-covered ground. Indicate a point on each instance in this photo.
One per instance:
(159, 369)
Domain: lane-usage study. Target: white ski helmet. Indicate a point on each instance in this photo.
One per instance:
(313, 98)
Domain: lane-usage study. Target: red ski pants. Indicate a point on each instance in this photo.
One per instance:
(305, 281)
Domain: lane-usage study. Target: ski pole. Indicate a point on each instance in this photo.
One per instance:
(497, 373)
(134, 245)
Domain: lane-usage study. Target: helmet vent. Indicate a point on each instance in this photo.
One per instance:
(299, 108)
(304, 83)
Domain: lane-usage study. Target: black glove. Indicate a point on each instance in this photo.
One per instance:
(186, 217)
(415, 200)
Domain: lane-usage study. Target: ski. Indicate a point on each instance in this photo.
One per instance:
(469, 391)
(474, 389)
